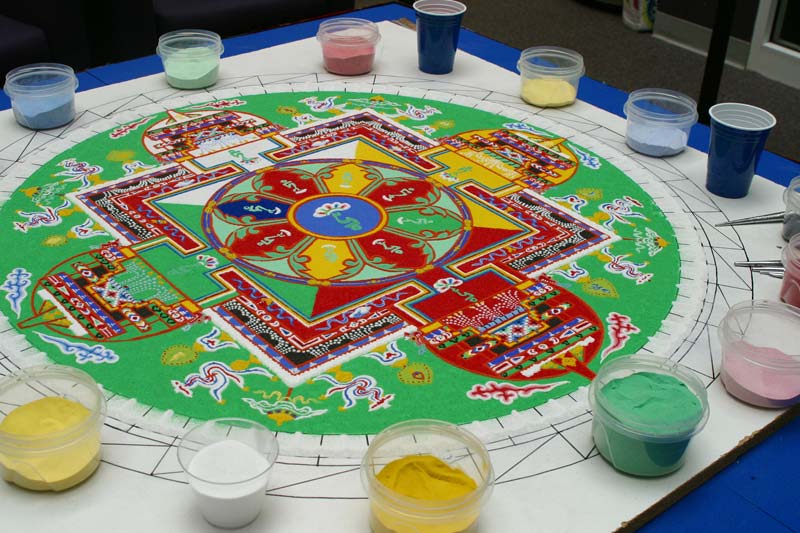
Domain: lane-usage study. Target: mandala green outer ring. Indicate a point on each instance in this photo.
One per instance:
(130, 366)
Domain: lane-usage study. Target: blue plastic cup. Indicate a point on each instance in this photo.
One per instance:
(738, 135)
(438, 23)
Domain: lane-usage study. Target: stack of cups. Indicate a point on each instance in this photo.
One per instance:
(738, 135)
(438, 24)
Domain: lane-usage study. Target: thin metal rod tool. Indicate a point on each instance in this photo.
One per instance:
(769, 218)
(760, 264)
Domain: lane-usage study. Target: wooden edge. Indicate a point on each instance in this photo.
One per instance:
(710, 471)
(405, 23)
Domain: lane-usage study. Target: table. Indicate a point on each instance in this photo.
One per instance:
(399, 68)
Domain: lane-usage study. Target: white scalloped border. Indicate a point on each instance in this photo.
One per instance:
(664, 343)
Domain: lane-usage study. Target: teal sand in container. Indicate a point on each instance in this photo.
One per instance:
(646, 410)
(190, 58)
(42, 95)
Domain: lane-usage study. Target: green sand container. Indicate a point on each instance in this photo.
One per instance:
(190, 58)
(645, 414)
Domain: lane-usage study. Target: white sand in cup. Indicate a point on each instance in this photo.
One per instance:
(229, 462)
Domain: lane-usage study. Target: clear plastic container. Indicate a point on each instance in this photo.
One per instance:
(42, 95)
(349, 45)
(550, 75)
(393, 512)
(190, 58)
(790, 290)
(58, 458)
(791, 218)
(761, 353)
(229, 462)
(659, 121)
(641, 446)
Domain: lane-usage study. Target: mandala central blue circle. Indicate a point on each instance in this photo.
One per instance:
(338, 216)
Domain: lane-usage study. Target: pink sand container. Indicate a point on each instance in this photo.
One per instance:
(761, 353)
(349, 45)
(790, 291)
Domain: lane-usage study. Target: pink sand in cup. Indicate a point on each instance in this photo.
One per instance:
(760, 376)
(349, 45)
(348, 60)
(790, 290)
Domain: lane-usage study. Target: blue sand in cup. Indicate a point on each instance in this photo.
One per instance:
(44, 113)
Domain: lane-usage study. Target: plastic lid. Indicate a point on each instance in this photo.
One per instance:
(348, 32)
(623, 421)
(768, 328)
(551, 61)
(662, 106)
(40, 79)
(176, 40)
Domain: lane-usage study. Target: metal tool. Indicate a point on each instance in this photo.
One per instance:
(769, 218)
(773, 273)
(760, 264)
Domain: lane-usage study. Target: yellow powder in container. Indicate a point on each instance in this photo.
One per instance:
(429, 479)
(548, 92)
(65, 464)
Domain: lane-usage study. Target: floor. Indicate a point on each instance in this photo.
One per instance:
(626, 59)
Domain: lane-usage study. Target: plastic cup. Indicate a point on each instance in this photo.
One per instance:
(630, 445)
(550, 75)
(760, 353)
(659, 121)
(738, 135)
(393, 512)
(190, 58)
(790, 290)
(349, 45)
(228, 461)
(58, 459)
(42, 95)
(438, 25)
(791, 217)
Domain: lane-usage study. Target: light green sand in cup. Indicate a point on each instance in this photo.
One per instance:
(192, 68)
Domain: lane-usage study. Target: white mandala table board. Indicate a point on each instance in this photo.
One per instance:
(140, 486)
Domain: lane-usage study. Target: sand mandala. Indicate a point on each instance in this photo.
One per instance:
(332, 263)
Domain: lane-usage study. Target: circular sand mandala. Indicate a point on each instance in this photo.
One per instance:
(332, 263)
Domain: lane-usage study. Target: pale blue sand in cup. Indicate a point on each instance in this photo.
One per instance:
(42, 95)
(190, 58)
(659, 121)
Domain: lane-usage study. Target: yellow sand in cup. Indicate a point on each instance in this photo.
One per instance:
(426, 476)
(50, 443)
(549, 75)
(548, 92)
